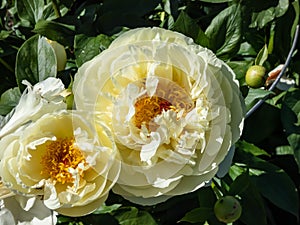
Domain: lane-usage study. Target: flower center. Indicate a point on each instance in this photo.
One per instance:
(60, 157)
(147, 108)
(168, 96)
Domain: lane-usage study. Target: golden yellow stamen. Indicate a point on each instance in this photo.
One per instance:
(60, 156)
(147, 108)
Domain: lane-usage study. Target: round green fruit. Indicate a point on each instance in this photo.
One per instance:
(227, 209)
(255, 76)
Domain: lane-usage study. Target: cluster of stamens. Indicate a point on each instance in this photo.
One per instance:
(61, 156)
(147, 108)
(168, 96)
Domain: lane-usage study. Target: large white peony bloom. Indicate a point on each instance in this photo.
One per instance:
(170, 106)
(58, 157)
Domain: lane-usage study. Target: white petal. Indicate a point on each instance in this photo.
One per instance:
(34, 102)
(149, 150)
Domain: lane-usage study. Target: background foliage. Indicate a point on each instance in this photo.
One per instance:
(266, 166)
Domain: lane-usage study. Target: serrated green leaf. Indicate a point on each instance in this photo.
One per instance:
(30, 10)
(9, 99)
(35, 61)
(198, 215)
(88, 47)
(224, 32)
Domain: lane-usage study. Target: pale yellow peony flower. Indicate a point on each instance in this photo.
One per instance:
(43, 97)
(20, 210)
(58, 157)
(171, 107)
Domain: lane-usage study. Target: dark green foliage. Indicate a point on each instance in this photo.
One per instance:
(265, 170)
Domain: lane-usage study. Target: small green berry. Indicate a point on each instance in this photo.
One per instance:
(227, 209)
(255, 76)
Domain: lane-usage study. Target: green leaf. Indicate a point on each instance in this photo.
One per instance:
(240, 185)
(55, 31)
(189, 27)
(117, 14)
(235, 171)
(9, 99)
(253, 162)
(279, 189)
(240, 68)
(50, 12)
(198, 215)
(251, 148)
(290, 117)
(4, 34)
(262, 125)
(254, 95)
(262, 56)
(30, 10)
(284, 150)
(35, 61)
(271, 181)
(135, 217)
(260, 19)
(225, 32)
(88, 47)
(296, 7)
(95, 219)
(206, 197)
(251, 201)
(216, 1)
(107, 209)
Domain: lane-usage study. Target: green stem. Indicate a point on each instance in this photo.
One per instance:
(56, 8)
(217, 189)
(7, 66)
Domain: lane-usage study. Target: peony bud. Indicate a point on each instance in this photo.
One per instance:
(255, 76)
(227, 209)
(61, 55)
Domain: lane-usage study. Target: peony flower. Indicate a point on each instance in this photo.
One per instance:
(59, 158)
(35, 101)
(19, 210)
(173, 109)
